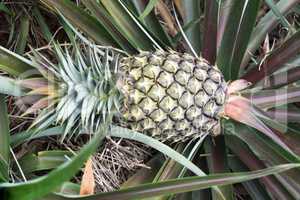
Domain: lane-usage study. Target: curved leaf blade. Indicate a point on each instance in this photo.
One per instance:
(13, 63)
(82, 20)
(237, 33)
(45, 184)
(4, 140)
(209, 51)
(183, 185)
(127, 25)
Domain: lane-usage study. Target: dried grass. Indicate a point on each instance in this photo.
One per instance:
(118, 159)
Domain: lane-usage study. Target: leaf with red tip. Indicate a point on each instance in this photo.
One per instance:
(241, 110)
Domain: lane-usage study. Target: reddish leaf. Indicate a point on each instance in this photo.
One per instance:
(209, 50)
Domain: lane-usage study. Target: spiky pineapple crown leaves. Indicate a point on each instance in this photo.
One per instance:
(78, 92)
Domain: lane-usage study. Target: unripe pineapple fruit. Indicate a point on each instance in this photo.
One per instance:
(168, 95)
(171, 96)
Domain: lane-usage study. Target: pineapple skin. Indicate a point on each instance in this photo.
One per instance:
(171, 96)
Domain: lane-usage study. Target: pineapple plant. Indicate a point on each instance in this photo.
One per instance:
(195, 97)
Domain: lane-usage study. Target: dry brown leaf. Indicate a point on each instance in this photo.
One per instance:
(167, 17)
(88, 180)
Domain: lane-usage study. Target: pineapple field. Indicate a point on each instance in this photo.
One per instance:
(149, 99)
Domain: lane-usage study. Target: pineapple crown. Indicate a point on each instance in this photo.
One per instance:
(79, 92)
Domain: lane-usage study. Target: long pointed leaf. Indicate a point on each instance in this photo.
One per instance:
(152, 23)
(129, 134)
(192, 12)
(82, 20)
(127, 25)
(253, 163)
(13, 63)
(209, 51)
(236, 36)
(104, 18)
(182, 185)
(37, 188)
(4, 139)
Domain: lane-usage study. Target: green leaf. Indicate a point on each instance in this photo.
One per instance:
(117, 131)
(22, 35)
(190, 150)
(151, 22)
(275, 97)
(193, 13)
(128, 25)
(69, 188)
(44, 160)
(10, 87)
(182, 185)
(169, 170)
(148, 9)
(269, 152)
(4, 140)
(278, 14)
(145, 175)
(42, 24)
(106, 20)
(256, 139)
(13, 63)
(237, 34)
(254, 188)
(282, 79)
(82, 20)
(45, 184)
(19, 138)
(3, 8)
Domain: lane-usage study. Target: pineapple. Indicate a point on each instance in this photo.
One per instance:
(168, 95)
(171, 96)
